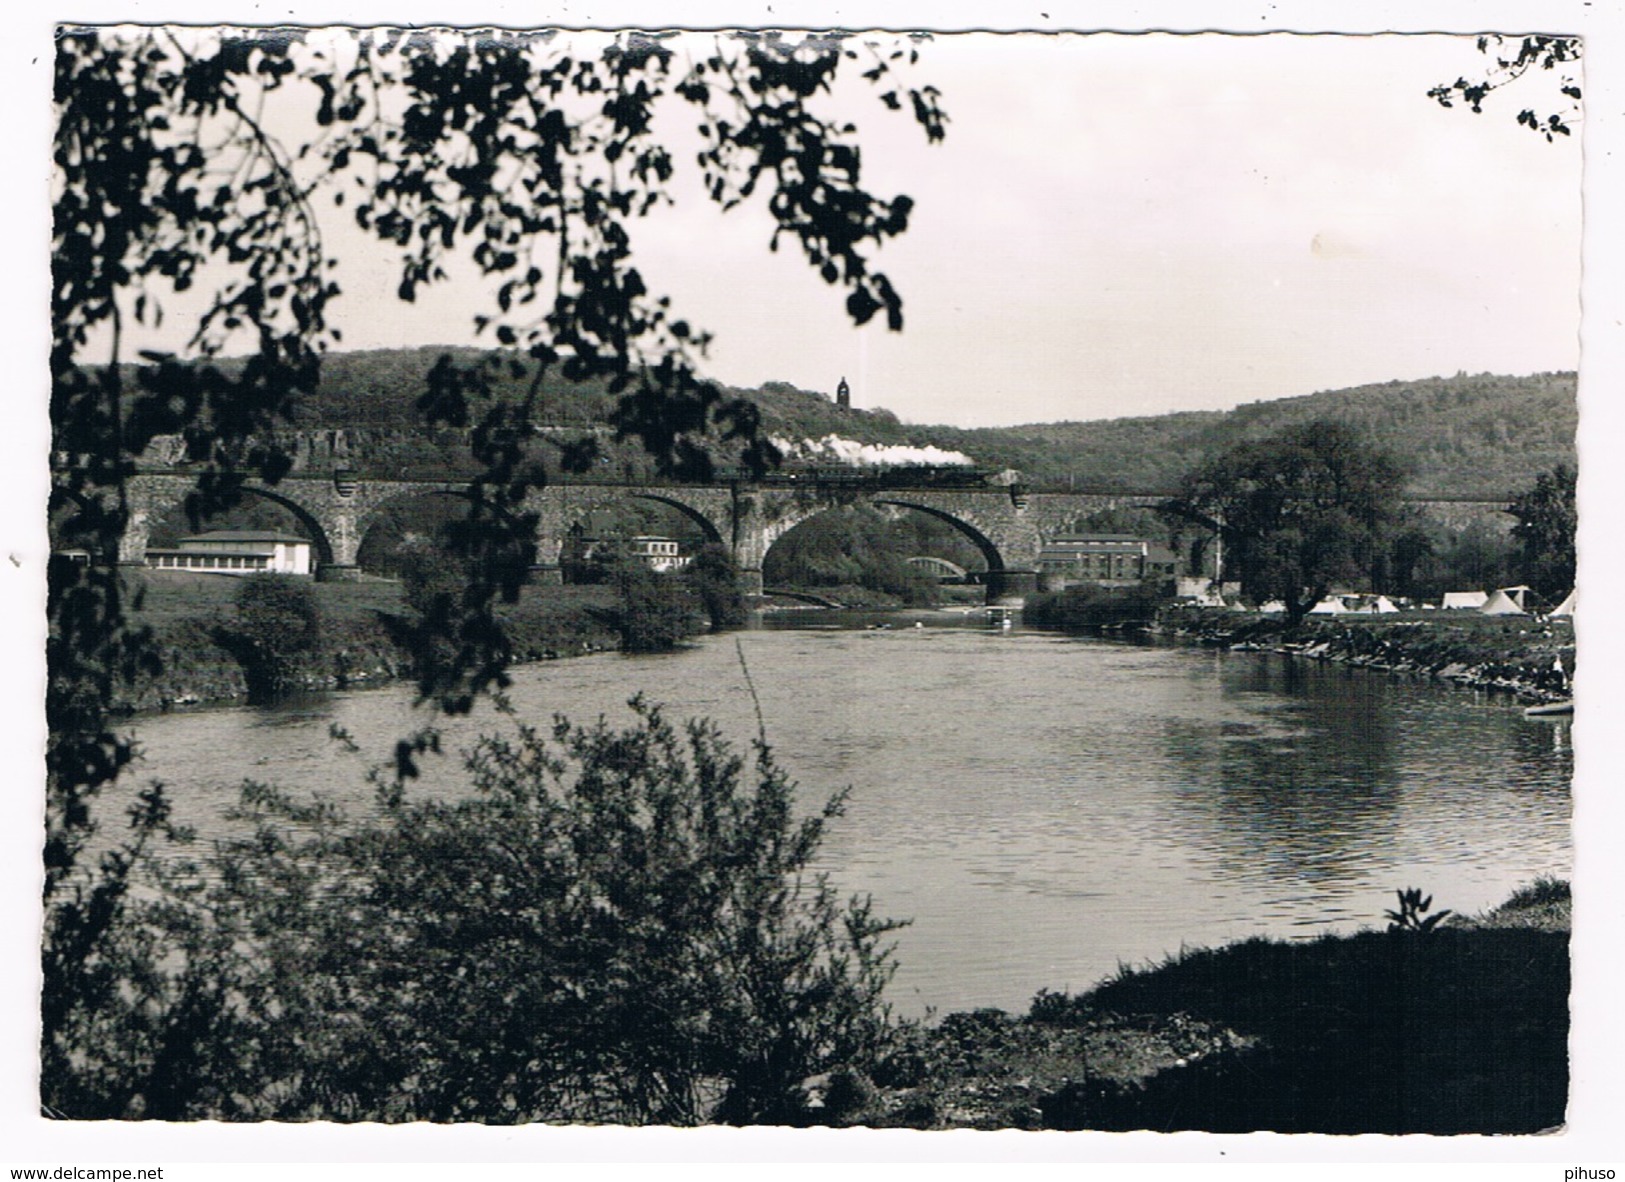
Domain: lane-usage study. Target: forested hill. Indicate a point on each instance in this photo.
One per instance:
(1460, 436)
(1467, 435)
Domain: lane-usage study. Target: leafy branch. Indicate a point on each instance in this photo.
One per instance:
(1534, 52)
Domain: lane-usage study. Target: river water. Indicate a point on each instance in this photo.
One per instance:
(1043, 808)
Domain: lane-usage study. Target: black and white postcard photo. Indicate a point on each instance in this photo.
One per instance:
(798, 589)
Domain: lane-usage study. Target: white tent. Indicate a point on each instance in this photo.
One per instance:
(1501, 604)
(1566, 608)
(1272, 608)
(1370, 605)
(1516, 594)
(1464, 599)
(1330, 606)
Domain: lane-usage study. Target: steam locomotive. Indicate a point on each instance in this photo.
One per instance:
(793, 474)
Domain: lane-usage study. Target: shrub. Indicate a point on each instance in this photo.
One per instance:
(432, 577)
(1088, 605)
(276, 621)
(621, 925)
(654, 611)
(1412, 914)
(893, 574)
(715, 579)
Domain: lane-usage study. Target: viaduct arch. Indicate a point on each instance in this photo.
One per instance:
(1009, 527)
(745, 518)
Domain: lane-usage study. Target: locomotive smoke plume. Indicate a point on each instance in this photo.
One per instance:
(834, 449)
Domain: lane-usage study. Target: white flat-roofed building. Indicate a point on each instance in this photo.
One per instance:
(661, 554)
(236, 552)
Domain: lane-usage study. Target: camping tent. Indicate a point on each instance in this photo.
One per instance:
(1501, 604)
(1370, 605)
(1566, 608)
(1330, 606)
(1464, 599)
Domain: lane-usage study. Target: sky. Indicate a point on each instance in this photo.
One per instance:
(1120, 224)
(1129, 225)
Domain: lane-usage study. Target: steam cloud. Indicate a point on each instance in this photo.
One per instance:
(834, 449)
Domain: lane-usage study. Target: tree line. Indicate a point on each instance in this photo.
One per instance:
(1461, 435)
(1316, 507)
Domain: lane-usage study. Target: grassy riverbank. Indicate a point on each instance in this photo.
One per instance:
(187, 611)
(1460, 1030)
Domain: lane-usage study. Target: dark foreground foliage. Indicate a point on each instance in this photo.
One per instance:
(620, 926)
(1459, 1029)
(188, 166)
(1454, 1032)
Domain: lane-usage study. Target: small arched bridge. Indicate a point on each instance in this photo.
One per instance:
(1008, 526)
(940, 568)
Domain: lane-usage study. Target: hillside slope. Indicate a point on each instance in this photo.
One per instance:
(1479, 435)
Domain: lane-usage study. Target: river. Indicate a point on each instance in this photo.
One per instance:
(1043, 808)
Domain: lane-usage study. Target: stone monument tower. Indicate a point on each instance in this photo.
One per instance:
(843, 395)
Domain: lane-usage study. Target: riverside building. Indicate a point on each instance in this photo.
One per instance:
(236, 552)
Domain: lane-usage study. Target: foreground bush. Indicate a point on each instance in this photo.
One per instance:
(620, 925)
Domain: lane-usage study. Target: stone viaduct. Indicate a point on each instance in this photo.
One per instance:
(1007, 525)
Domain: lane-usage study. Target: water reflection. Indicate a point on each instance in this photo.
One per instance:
(1305, 788)
(1342, 776)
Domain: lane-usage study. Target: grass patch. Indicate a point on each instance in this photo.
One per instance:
(182, 595)
(1544, 904)
(1463, 1029)
(1459, 1031)
(987, 1069)
(1543, 892)
(356, 646)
